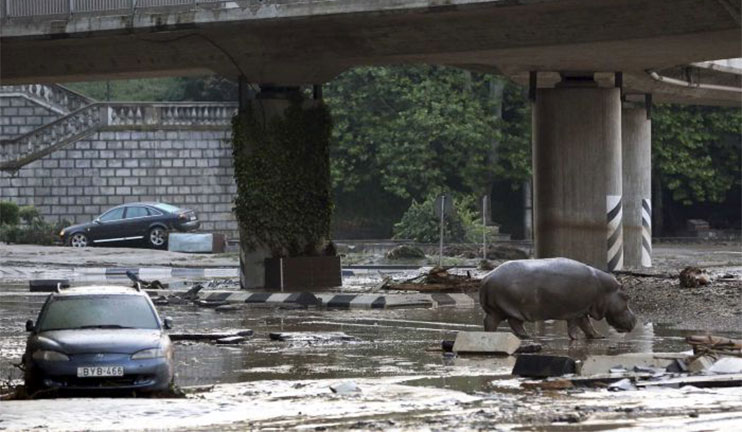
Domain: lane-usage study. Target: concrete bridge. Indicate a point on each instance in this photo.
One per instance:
(593, 69)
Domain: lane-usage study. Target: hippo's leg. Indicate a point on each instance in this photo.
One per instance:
(492, 321)
(572, 326)
(517, 326)
(587, 327)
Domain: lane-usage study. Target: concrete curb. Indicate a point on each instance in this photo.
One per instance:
(345, 301)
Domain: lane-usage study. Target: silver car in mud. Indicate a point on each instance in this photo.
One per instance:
(96, 338)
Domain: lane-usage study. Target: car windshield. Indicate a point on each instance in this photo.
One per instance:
(166, 208)
(101, 311)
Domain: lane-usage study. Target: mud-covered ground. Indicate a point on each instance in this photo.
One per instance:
(405, 382)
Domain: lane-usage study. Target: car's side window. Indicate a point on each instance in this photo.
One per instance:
(153, 212)
(136, 212)
(115, 214)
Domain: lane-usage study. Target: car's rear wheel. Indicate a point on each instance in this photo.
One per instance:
(157, 237)
(79, 240)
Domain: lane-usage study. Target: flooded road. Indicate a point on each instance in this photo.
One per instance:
(405, 381)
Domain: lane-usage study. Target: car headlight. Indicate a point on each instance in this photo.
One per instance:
(61, 233)
(47, 355)
(148, 354)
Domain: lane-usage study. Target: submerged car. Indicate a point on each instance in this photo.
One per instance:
(98, 337)
(143, 221)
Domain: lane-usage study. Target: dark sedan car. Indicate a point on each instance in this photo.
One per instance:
(98, 337)
(147, 221)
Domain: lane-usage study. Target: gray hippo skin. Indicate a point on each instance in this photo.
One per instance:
(554, 288)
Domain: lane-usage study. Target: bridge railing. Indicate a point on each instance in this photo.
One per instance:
(39, 8)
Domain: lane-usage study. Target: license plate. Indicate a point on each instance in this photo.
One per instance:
(99, 371)
(193, 217)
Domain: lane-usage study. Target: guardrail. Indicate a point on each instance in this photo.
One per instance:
(41, 8)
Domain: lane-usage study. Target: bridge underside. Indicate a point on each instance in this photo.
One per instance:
(294, 47)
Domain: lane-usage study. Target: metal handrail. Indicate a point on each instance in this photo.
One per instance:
(42, 8)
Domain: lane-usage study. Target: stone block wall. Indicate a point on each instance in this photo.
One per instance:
(189, 167)
(19, 116)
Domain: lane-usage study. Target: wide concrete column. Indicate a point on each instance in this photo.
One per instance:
(636, 137)
(577, 175)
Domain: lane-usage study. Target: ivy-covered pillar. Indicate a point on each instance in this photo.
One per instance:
(280, 144)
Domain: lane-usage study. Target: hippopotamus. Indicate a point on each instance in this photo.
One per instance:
(554, 289)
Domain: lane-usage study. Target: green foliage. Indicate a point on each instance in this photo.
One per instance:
(37, 232)
(8, 213)
(283, 183)
(131, 90)
(409, 130)
(696, 151)
(206, 88)
(29, 214)
(513, 154)
(420, 223)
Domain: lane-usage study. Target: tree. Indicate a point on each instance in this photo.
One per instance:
(696, 151)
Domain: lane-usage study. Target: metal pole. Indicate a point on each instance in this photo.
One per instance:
(443, 215)
(484, 228)
(280, 266)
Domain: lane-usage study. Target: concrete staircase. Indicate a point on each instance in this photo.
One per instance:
(82, 117)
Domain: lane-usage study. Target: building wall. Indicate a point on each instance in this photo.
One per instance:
(19, 116)
(189, 168)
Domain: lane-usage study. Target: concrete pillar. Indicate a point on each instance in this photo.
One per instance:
(577, 174)
(636, 138)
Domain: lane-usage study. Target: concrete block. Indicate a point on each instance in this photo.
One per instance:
(602, 364)
(486, 343)
(187, 242)
(543, 366)
(701, 364)
(727, 365)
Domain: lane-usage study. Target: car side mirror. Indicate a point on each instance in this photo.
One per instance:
(168, 323)
(97, 220)
(29, 326)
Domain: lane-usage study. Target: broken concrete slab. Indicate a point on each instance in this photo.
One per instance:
(602, 364)
(486, 343)
(700, 364)
(727, 365)
(622, 385)
(543, 366)
(231, 340)
(208, 336)
(707, 381)
(345, 388)
(312, 337)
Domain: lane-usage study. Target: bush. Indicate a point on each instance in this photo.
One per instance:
(38, 232)
(29, 214)
(8, 213)
(420, 223)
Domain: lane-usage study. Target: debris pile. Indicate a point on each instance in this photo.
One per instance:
(436, 280)
(715, 362)
(405, 252)
(692, 277)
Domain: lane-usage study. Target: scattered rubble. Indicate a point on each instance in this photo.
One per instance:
(436, 280)
(209, 337)
(692, 277)
(405, 252)
(312, 337)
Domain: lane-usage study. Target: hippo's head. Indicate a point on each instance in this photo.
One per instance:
(614, 306)
(617, 312)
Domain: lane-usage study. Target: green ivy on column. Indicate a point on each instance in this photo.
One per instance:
(282, 171)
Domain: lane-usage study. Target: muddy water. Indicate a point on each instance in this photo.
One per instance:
(389, 343)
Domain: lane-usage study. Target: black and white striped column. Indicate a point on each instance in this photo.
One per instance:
(636, 150)
(614, 243)
(646, 232)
